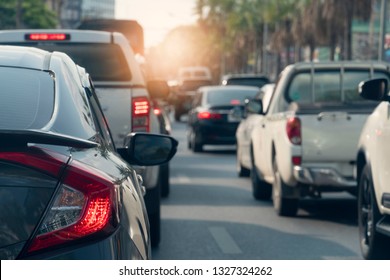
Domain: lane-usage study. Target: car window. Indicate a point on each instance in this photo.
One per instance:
(258, 82)
(234, 97)
(101, 122)
(19, 110)
(329, 87)
(104, 62)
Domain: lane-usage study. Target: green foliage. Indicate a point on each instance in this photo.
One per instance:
(33, 14)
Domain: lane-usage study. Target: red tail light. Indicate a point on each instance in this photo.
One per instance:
(141, 114)
(296, 160)
(157, 111)
(293, 129)
(85, 203)
(205, 115)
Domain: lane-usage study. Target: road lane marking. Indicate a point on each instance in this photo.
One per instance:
(224, 240)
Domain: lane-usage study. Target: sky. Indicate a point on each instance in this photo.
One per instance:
(157, 17)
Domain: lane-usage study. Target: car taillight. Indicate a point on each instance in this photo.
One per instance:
(141, 114)
(47, 37)
(205, 115)
(157, 111)
(293, 129)
(296, 160)
(85, 205)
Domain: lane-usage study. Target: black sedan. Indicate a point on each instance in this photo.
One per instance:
(65, 191)
(215, 115)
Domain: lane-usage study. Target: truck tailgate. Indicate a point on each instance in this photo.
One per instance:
(331, 136)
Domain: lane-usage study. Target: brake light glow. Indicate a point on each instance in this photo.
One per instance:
(157, 111)
(235, 102)
(205, 115)
(140, 114)
(84, 205)
(296, 160)
(47, 37)
(293, 129)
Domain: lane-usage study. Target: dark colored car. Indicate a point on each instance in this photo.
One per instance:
(215, 115)
(184, 93)
(246, 80)
(65, 191)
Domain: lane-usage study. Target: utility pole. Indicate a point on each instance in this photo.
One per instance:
(382, 38)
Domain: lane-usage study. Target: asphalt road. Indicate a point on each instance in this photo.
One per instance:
(210, 214)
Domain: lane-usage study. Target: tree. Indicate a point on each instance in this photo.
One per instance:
(26, 14)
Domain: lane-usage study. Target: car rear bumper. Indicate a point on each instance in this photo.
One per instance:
(318, 176)
(218, 134)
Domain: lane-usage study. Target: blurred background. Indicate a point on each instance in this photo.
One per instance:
(228, 36)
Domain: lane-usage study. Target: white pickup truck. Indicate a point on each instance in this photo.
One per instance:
(307, 141)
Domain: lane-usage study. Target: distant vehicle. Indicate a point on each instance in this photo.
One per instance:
(252, 118)
(215, 115)
(189, 80)
(65, 191)
(245, 80)
(373, 165)
(134, 33)
(306, 142)
(120, 86)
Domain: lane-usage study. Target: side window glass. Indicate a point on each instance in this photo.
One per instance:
(101, 122)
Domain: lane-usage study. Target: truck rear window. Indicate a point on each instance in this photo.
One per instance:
(104, 62)
(27, 98)
(329, 87)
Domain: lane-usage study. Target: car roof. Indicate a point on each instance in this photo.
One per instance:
(340, 64)
(25, 57)
(227, 87)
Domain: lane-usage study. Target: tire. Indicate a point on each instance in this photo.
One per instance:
(283, 206)
(177, 116)
(241, 170)
(153, 205)
(373, 244)
(261, 190)
(164, 180)
(196, 146)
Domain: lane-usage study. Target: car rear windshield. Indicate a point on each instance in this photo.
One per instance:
(104, 62)
(257, 82)
(233, 97)
(330, 87)
(26, 99)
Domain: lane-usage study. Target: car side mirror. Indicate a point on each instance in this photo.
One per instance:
(158, 89)
(254, 106)
(147, 149)
(375, 89)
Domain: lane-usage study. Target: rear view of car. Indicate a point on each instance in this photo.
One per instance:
(215, 115)
(65, 193)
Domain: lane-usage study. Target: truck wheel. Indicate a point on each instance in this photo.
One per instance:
(283, 206)
(164, 180)
(241, 170)
(261, 190)
(373, 244)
